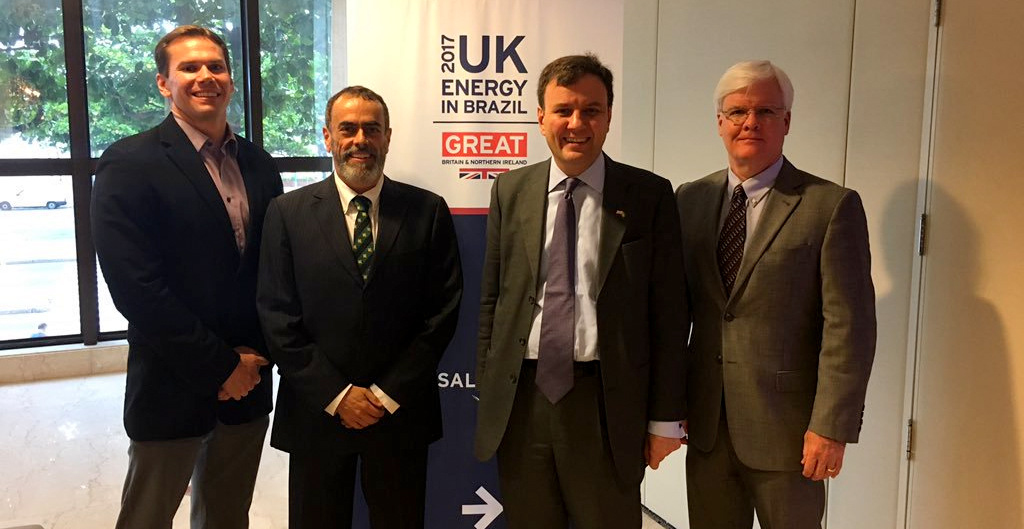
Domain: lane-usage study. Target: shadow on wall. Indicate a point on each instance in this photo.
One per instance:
(966, 471)
(873, 464)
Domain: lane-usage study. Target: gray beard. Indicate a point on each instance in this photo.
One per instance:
(366, 177)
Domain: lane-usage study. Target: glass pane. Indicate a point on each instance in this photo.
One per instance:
(293, 181)
(295, 59)
(33, 83)
(119, 39)
(38, 271)
(110, 319)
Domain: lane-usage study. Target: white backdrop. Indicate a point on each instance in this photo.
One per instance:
(423, 56)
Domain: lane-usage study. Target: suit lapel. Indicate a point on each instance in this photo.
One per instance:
(707, 202)
(327, 211)
(785, 196)
(613, 218)
(253, 191)
(390, 215)
(183, 155)
(533, 205)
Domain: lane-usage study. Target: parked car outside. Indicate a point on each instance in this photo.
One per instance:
(27, 197)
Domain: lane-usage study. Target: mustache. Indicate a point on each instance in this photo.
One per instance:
(351, 151)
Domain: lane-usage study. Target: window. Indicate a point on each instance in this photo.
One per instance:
(33, 95)
(38, 273)
(295, 42)
(119, 40)
(77, 75)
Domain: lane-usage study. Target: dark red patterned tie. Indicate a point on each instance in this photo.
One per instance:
(732, 239)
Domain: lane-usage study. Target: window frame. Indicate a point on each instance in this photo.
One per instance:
(82, 166)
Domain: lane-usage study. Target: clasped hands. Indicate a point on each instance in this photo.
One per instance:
(359, 408)
(246, 375)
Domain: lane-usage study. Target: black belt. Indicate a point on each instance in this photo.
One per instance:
(579, 369)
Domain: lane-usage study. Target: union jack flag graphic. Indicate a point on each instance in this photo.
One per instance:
(469, 173)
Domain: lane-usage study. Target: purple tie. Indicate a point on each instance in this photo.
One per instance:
(558, 318)
(732, 239)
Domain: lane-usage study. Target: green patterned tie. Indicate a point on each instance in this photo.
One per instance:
(362, 236)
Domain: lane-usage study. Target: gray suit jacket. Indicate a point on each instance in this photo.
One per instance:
(791, 348)
(640, 309)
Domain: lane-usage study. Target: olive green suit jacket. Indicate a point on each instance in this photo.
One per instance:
(791, 349)
(641, 308)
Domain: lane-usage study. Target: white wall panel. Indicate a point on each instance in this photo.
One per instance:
(698, 40)
(858, 70)
(890, 54)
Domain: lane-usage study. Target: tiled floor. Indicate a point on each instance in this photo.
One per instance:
(63, 457)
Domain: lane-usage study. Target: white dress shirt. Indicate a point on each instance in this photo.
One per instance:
(758, 188)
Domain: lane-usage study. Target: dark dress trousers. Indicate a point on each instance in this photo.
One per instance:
(168, 254)
(327, 328)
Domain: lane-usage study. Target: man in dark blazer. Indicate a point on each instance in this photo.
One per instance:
(359, 294)
(779, 279)
(177, 213)
(578, 454)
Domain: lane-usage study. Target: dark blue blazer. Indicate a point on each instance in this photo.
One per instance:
(168, 254)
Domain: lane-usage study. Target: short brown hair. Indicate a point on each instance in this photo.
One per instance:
(360, 92)
(569, 69)
(160, 52)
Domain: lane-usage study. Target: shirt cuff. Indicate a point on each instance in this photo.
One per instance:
(384, 399)
(333, 406)
(673, 429)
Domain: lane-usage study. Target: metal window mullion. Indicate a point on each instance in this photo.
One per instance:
(252, 85)
(81, 167)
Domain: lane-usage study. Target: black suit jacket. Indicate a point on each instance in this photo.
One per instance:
(327, 328)
(641, 308)
(167, 251)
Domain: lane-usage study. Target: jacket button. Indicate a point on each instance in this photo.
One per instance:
(531, 300)
(718, 359)
(729, 316)
(522, 341)
(513, 378)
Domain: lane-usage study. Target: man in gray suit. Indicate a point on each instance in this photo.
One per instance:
(779, 278)
(580, 360)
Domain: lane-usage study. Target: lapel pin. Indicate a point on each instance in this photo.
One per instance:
(619, 213)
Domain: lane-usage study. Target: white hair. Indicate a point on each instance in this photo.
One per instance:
(743, 74)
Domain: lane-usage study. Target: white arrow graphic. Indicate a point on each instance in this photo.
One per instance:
(490, 509)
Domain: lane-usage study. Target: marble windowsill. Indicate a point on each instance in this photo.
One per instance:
(62, 361)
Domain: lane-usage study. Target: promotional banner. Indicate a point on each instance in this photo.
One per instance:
(460, 81)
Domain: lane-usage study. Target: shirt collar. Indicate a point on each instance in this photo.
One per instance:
(198, 139)
(593, 176)
(756, 186)
(347, 194)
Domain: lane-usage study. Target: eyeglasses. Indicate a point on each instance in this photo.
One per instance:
(739, 115)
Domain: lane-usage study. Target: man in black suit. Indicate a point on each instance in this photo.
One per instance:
(177, 213)
(359, 293)
(612, 293)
